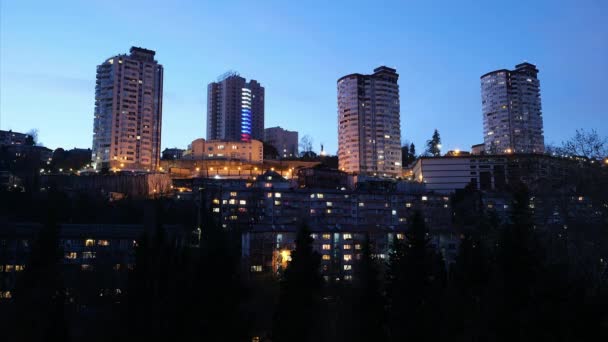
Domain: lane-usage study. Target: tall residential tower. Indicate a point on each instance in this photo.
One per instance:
(235, 109)
(369, 133)
(128, 112)
(512, 117)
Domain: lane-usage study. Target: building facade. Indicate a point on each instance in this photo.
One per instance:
(235, 109)
(286, 142)
(173, 153)
(128, 112)
(251, 151)
(511, 108)
(369, 133)
(12, 138)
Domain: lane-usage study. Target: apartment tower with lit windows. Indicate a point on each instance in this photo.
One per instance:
(128, 112)
(369, 133)
(512, 117)
(235, 109)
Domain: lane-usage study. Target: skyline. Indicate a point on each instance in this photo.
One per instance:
(47, 69)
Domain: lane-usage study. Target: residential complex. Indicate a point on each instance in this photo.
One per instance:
(12, 138)
(286, 142)
(251, 151)
(128, 112)
(511, 108)
(235, 109)
(369, 133)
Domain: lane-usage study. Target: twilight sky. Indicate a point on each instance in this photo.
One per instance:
(298, 50)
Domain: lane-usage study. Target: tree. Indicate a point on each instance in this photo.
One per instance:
(306, 145)
(299, 292)
(415, 282)
(367, 302)
(32, 137)
(433, 146)
(586, 144)
(270, 152)
(413, 150)
(39, 291)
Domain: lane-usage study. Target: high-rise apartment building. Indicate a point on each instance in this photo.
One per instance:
(286, 142)
(235, 109)
(512, 117)
(369, 133)
(128, 112)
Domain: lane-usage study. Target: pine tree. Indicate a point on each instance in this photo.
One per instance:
(433, 146)
(369, 316)
(299, 292)
(39, 291)
(416, 277)
(412, 151)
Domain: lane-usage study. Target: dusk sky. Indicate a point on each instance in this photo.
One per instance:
(297, 50)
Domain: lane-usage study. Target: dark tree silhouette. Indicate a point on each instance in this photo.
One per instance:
(299, 293)
(433, 146)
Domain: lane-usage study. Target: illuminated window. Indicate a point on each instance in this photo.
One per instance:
(329, 204)
(348, 267)
(361, 204)
(71, 255)
(242, 210)
(326, 257)
(277, 195)
(400, 236)
(424, 198)
(348, 277)
(232, 201)
(88, 255)
(357, 246)
(329, 211)
(326, 247)
(216, 210)
(216, 201)
(277, 202)
(348, 257)
(256, 268)
(269, 195)
(326, 236)
(347, 236)
(103, 243)
(348, 246)
(233, 194)
(86, 267)
(312, 211)
(394, 212)
(233, 217)
(320, 195)
(242, 202)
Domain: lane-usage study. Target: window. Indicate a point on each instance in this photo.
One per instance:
(348, 267)
(88, 255)
(277, 194)
(424, 198)
(320, 195)
(71, 255)
(326, 236)
(326, 247)
(329, 204)
(347, 236)
(357, 246)
(361, 204)
(216, 210)
(86, 267)
(103, 243)
(326, 257)
(348, 246)
(348, 257)
(232, 201)
(400, 236)
(242, 202)
(256, 268)
(277, 202)
(216, 201)
(232, 194)
(408, 205)
(348, 277)
(89, 242)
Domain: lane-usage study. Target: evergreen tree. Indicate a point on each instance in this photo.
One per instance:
(412, 152)
(39, 291)
(416, 278)
(368, 302)
(433, 146)
(299, 292)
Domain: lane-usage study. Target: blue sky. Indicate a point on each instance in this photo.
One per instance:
(297, 50)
